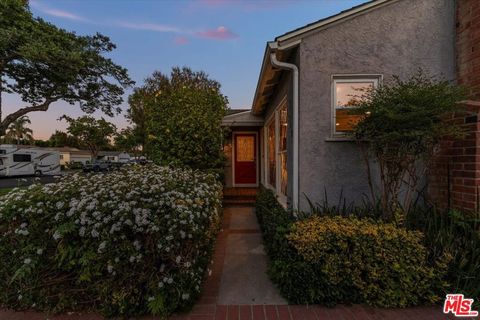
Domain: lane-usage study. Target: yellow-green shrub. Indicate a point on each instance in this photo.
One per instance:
(355, 260)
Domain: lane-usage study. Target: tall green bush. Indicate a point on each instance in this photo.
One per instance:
(184, 112)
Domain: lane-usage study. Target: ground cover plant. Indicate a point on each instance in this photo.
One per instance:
(132, 242)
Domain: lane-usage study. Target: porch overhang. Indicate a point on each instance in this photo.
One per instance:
(242, 119)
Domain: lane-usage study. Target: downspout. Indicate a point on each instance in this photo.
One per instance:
(291, 67)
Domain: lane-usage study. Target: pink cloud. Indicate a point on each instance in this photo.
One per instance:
(180, 40)
(221, 33)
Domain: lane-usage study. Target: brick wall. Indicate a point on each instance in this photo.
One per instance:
(454, 181)
(468, 45)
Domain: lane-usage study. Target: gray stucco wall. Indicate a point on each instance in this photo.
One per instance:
(396, 39)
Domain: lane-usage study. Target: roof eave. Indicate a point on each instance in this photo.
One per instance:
(298, 33)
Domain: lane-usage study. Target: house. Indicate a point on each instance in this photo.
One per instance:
(113, 156)
(293, 139)
(73, 155)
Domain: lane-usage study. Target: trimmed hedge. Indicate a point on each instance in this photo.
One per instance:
(132, 242)
(332, 260)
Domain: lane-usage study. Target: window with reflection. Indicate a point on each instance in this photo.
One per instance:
(272, 168)
(346, 92)
(282, 150)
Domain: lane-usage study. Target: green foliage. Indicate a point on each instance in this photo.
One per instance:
(361, 261)
(127, 243)
(18, 132)
(43, 63)
(127, 140)
(457, 235)
(184, 113)
(137, 111)
(333, 260)
(63, 139)
(91, 133)
(402, 123)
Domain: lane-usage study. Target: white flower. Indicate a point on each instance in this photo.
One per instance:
(110, 268)
(39, 251)
(185, 296)
(57, 235)
(101, 247)
(27, 261)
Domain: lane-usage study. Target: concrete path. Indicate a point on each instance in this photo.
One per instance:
(239, 289)
(244, 278)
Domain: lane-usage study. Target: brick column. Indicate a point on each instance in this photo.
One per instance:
(454, 181)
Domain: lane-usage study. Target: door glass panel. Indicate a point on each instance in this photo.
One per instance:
(245, 148)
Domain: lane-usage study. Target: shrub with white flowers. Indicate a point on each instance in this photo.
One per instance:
(132, 242)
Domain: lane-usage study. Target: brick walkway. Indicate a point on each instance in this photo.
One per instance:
(208, 309)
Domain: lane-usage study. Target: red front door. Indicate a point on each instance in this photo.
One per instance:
(245, 158)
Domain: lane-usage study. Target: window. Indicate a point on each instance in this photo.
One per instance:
(276, 151)
(271, 159)
(347, 90)
(61, 157)
(1, 162)
(22, 158)
(282, 148)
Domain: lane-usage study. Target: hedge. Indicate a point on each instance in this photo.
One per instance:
(330, 260)
(133, 242)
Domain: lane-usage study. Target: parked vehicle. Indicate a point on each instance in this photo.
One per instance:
(24, 161)
(97, 166)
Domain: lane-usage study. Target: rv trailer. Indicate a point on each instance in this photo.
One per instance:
(23, 161)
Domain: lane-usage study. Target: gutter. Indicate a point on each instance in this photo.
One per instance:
(274, 47)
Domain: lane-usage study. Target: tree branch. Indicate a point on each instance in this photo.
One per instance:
(23, 111)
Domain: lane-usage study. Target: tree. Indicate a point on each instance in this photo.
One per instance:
(43, 64)
(184, 113)
(92, 133)
(402, 124)
(126, 140)
(63, 139)
(18, 132)
(137, 109)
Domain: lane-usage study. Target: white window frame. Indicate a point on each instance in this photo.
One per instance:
(347, 78)
(275, 116)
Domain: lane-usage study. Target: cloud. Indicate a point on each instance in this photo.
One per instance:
(180, 40)
(221, 33)
(246, 5)
(150, 27)
(57, 12)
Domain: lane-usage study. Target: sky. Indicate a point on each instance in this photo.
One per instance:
(224, 38)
